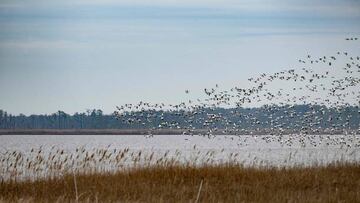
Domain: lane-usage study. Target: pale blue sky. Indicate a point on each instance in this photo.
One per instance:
(74, 55)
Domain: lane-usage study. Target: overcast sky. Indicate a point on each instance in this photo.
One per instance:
(73, 55)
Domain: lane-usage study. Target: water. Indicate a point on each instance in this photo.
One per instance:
(43, 155)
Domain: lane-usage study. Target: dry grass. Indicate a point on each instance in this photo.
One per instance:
(222, 183)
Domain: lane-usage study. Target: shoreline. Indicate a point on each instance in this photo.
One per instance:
(157, 132)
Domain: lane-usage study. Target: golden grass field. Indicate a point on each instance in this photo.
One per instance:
(216, 183)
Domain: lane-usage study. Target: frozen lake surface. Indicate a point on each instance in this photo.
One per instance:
(39, 153)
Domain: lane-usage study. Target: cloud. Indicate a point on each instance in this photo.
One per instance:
(40, 44)
(332, 8)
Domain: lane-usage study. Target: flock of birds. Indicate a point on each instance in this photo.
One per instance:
(324, 84)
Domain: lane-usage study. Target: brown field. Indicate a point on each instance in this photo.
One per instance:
(222, 183)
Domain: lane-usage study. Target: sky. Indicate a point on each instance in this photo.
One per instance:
(74, 55)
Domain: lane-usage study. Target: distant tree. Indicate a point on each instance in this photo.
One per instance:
(348, 118)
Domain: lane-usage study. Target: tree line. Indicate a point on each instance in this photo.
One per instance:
(245, 118)
(91, 119)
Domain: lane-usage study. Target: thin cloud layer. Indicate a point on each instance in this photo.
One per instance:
(74, 55)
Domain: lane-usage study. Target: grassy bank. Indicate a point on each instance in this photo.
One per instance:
(226, 183)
